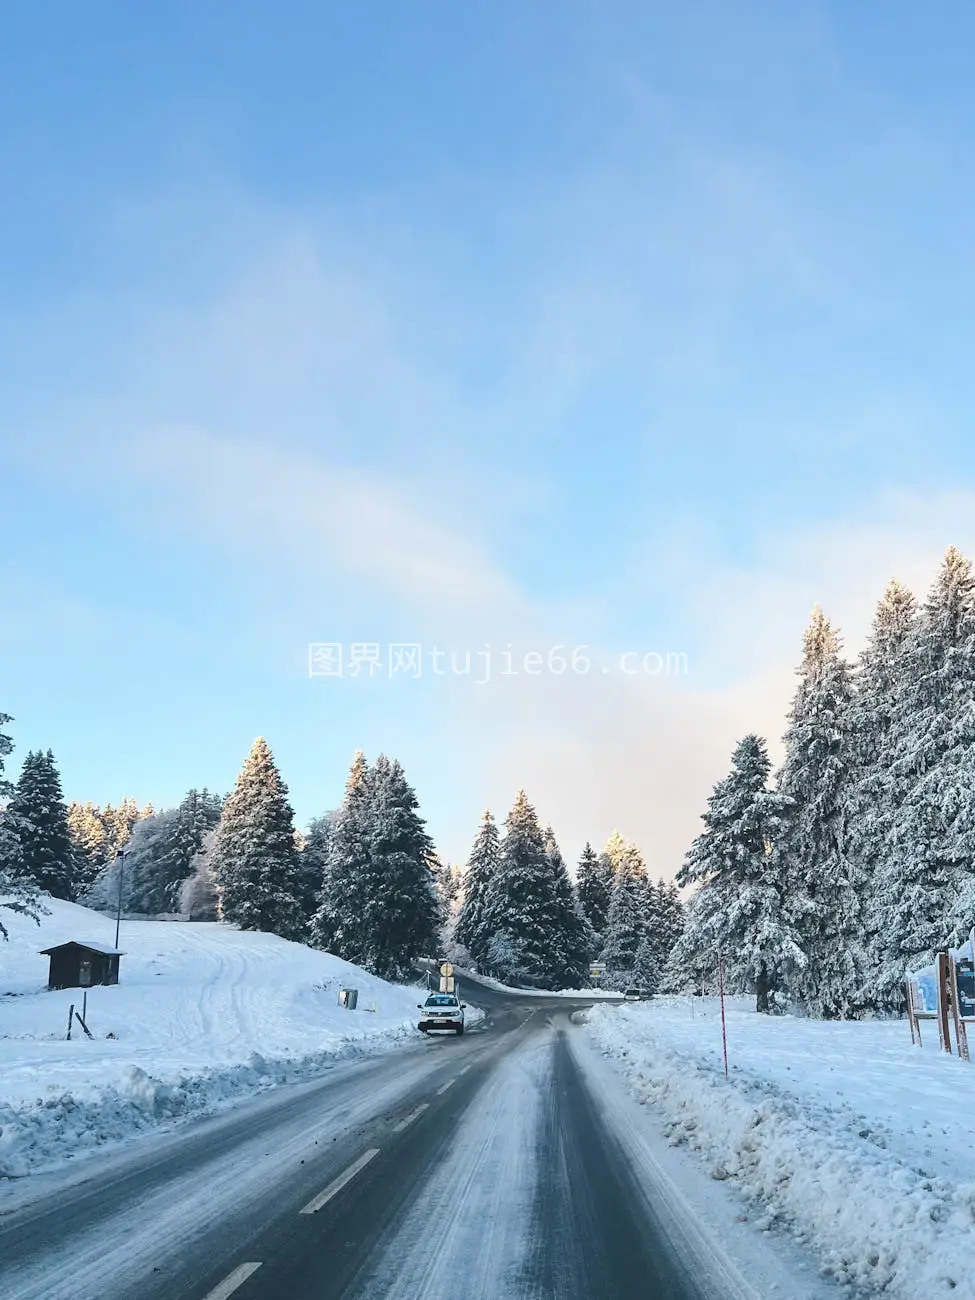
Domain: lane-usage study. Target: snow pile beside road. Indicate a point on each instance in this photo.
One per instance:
(860, 1144)
(202, 1015)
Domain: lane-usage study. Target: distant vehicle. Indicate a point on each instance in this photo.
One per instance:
(441, 1011)
(637, 995)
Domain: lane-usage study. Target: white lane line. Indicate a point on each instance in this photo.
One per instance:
(232, 1281)
(405, 1123)
(447, 1085)
(464, 1070)
(335, 1187)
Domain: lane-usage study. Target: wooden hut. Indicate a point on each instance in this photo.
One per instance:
(80, 964)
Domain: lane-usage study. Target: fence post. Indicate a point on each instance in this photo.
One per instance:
(943, 1027)
(961, 1034)
(724, 1032)
(70, 1018)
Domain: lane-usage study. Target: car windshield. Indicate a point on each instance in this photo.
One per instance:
(441, 1000)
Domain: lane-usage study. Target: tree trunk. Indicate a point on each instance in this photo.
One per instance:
(762, 990)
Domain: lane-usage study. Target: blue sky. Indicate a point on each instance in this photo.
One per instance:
(635, 326)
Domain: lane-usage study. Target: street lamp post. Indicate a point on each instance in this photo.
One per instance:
(120, 859)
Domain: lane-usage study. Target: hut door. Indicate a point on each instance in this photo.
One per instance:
(84, 975)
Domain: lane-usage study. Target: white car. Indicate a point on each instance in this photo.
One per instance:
(441, 1011)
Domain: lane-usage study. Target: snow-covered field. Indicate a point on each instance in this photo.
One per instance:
(845, 1134)
(203, 1013)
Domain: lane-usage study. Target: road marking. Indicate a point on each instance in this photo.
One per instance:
(447, 1085)
(232, 1281)
(405, 1123)
(464, 1070)
(335, 1187)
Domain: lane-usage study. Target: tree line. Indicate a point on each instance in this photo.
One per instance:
(823, 886)
(364, 882)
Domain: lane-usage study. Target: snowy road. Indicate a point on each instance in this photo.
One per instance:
(505, 1165)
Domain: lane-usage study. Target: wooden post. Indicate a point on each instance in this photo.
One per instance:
(70, 1018)
(724, 1033)
(911, 1015)
(943, 1026)
(77, 1017)
(961, 1034)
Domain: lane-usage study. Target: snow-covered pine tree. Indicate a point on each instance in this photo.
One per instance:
(481, 867)
(672, 919)
(199, 899)
(447, 880)
(571, 936)
(160, 855)
(881, 677)
(931, 845)
(646, 974)
(18, 893)
(254, 858)
(87, 831)
(740, 909)
(401, 914)
(517, 902)
(48, 854)
(613, 854)
(313, 863)
(338, 924)
(821, 891)
(594, 887)
(626, 922)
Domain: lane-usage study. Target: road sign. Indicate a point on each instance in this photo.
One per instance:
(446, 984)
(446, 969)
(596, 969)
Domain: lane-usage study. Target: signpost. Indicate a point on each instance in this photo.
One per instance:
(446, 977)
(596, 971)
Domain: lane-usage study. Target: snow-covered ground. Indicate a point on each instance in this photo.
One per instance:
(203, 1013)
(845, 1134)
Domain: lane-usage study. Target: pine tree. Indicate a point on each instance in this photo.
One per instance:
(313, 862)
(821, 889)
(254, 858)
(160, 855)
(517, 902)
(571, 937)
(18, 892)
(90, 843)
(672, 920)
(882, 676)
(646, 965)
(740, 909)
(931, 845)
(626, 922)
(482, 865)
(613, 854)
(401, 913)
(48, 854)
(594, 886)
(338, 924)
(199, 899)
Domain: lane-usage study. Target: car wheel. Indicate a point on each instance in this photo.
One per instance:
(460, 1029)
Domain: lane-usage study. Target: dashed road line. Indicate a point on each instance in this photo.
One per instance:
(405, 1123)
(448, 1084)
(232, 1281)
(316, 1203)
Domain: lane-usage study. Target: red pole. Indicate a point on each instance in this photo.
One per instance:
(724, 1032)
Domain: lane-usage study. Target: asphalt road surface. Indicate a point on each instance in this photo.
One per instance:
(472, 1168)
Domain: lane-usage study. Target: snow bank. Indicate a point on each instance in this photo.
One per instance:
(860, 1144)
(596, 994)
(202, 1015)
